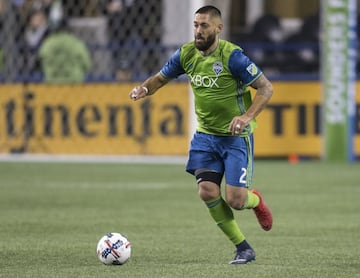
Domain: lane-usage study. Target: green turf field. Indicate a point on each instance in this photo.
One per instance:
(52, 215)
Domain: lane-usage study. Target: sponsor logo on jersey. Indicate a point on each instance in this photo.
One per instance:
(252, 69)
(217, 68)
(203, 81)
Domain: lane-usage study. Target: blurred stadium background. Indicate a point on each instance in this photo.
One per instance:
(137, 35)
(121, 42)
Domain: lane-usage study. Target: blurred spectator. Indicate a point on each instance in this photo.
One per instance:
(36, 30)
(55, 12)
(151, 32)
(64, 57)
(358, 45)
(124, 41)
(2, 35)
(11, 30)
(267, 32)
(303, 49)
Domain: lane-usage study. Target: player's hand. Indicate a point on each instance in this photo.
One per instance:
(238, 124)
(138, 92)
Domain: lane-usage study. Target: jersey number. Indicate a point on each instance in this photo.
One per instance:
(243, 176)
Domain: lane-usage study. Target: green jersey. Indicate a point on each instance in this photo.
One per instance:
(65, 58)
(219, 82)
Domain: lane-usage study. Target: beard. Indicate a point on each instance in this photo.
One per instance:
(206, 43)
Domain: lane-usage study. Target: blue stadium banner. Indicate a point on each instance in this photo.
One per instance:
(339, 74)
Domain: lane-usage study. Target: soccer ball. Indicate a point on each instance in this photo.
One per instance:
(113, 249)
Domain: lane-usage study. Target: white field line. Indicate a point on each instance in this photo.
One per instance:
(94, 158)
(106, 185)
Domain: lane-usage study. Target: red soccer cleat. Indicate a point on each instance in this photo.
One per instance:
(263, 213)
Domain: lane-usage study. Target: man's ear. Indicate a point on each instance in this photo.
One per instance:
(219, 28)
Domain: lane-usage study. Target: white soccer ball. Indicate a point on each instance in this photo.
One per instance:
(113, 249)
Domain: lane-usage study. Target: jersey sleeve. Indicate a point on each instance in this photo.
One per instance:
(242, 68)
(172, 69)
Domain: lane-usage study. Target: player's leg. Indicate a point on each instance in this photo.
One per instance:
(238, 170)
(240, 198)
(239, 173)
(209, 191)
(236, 197)
(208, 168)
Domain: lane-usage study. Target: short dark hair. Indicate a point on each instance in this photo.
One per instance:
(211, 10)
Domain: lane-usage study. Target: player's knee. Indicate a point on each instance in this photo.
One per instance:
(209, 184)
(208, 190)
(238, 200)
(235, 204)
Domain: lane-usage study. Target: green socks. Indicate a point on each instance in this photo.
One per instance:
(252, 201)
(224, 218)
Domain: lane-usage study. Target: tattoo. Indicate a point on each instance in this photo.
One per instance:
(263, 87)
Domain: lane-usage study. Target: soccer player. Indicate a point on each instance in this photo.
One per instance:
(220, 74)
